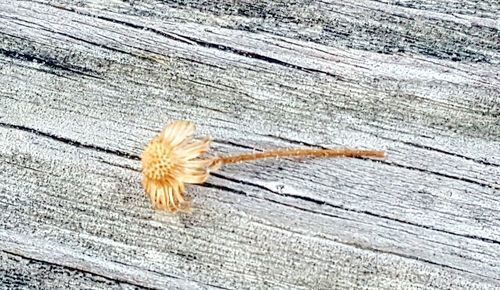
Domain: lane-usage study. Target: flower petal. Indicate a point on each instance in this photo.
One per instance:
(178, 192)
(194, 171)
(193, 150)
(178, 131)
(173, 203)
(161, 202)
(198, 163)
(195, 178)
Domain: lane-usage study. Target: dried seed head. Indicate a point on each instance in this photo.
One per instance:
(169, 161)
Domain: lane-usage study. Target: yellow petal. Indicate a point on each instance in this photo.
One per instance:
(214, 164)
(178, 131)
(194, 171)
(194, 178)
(178, 191)
(198, 163)
(193, 150)
(172, 200)
(161, 198)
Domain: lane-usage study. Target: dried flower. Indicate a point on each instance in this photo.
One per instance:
(171, 159)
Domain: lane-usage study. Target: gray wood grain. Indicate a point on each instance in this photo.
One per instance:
(83, 86)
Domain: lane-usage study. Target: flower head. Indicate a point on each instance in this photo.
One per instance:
(169, 161)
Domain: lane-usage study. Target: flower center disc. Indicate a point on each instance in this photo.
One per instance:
(157, 160)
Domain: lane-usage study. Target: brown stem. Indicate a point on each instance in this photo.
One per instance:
(298, 153)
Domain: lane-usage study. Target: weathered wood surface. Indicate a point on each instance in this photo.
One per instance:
(85, 84)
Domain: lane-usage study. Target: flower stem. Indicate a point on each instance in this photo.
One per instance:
(298, 153)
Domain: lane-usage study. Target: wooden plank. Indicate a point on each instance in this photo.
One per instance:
(85, 87)
(21, 272)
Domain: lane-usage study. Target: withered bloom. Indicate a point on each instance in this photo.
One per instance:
(169, 161)
(172, 159)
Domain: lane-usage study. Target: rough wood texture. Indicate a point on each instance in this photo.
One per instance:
(85, 84)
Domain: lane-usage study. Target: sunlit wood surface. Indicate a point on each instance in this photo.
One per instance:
(84, 85)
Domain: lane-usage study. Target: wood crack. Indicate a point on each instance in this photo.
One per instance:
(234, 144)
(392, 253)
(70, 141)
(465, 179)
(261, 57)
(413, 144)
(449, 153)
(75, 269)
(375, 250)
(49, 62)
(321, 202)
(125, 23)
(458, 178)
(191, 40)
